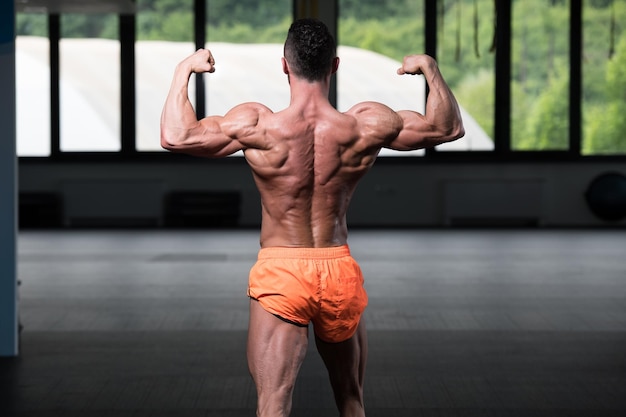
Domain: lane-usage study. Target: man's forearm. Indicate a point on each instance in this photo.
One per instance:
(442, 109)
(178, 116)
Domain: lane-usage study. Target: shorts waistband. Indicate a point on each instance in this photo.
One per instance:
(276, 252)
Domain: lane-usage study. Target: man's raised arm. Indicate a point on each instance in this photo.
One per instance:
(178, 119)
(181, 131)
(442, 119)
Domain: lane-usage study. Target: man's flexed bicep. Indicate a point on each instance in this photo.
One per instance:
(205, 139)
(219, 136)
(442, 119)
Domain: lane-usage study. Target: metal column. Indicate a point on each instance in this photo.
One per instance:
(8, 184)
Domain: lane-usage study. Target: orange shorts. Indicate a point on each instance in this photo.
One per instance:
(319, 285)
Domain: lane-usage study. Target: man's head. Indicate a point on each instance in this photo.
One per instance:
(310, 50)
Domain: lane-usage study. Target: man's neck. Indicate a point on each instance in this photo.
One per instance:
(303, 91)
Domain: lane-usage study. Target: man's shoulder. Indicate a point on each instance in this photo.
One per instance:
(244, 116)
(372, 113)
(377, 121)
(370, 108)
(250, 107)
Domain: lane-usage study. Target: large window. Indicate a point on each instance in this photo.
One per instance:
(466, 55)
(32, 74)
(246, 38)
(89, 67)
(165, 35)
(604, 78)
(540, 75)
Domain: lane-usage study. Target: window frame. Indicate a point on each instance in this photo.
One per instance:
(502, 138)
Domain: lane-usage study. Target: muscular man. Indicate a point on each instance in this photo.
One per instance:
(306, 161)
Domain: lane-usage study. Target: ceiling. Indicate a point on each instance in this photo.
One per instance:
(75, 6)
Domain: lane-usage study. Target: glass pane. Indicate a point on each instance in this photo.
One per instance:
(89, 55)
(164, 38)
(604, 77)
(540, 75)
(374, 37)
(32, 76)
(247, 42)
(466, 55)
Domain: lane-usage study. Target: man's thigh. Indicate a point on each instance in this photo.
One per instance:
(276, 349)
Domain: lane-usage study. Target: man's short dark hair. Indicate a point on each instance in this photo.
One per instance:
(310, 49)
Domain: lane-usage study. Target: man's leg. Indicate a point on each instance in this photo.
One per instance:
(276, 350)
(345, 362)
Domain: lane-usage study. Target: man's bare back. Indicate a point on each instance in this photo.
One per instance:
(315, 156)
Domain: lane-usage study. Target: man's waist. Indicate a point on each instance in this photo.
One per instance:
(276, 252)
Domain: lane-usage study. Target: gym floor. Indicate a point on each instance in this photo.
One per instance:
(464, 323)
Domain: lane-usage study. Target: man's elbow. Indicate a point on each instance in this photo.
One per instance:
(165, 142)
(169, 140)
(458, 132)
(455, 131)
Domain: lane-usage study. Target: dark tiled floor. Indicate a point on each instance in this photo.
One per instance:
(462, 323)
